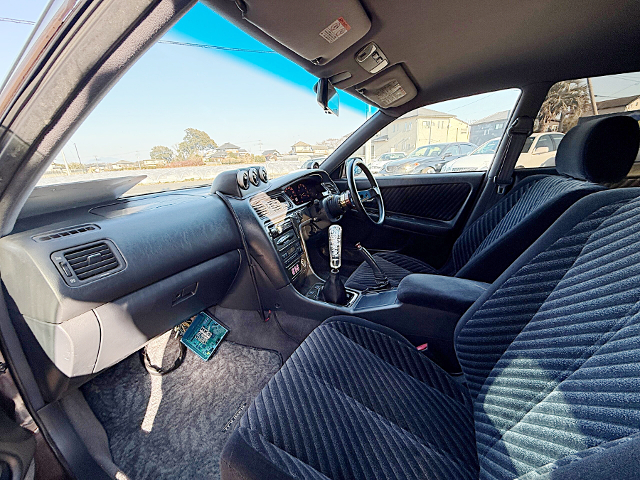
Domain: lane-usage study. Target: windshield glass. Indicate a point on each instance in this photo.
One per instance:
(206, 98)
(427, 151)
(489, 147)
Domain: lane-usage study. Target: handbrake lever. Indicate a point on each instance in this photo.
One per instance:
(381, 279)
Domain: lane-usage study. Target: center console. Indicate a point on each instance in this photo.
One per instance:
(287, 242)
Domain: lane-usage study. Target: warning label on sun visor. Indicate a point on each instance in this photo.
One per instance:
(387, 94)
(334, 31)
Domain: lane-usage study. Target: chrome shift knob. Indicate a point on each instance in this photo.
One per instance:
(335, 246)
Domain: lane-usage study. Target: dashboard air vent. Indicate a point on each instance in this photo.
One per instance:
(89, 261)
(273, 208)
(331, 188)
(67, 232)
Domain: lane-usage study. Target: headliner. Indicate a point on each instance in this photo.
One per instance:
(459, 48)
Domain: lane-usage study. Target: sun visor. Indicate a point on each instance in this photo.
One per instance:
(391, 88)
(317, 31)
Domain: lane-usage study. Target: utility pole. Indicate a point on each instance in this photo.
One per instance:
(64, 159)
(78, 153)
(594, 106)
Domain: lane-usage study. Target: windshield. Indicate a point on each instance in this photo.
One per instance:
(427, 151)
(206, 98)
(489, 147)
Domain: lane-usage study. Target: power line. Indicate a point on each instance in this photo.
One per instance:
(214, 47)
(166, 42)
(17, 20)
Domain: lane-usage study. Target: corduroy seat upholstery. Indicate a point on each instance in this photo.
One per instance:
(599, 151)
(551, 362)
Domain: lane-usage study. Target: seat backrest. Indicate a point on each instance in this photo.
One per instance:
(601, 150)
(551, 352)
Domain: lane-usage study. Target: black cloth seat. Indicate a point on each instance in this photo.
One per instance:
(551, 362)
(600, 151)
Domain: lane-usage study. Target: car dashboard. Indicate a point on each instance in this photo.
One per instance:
(93, 284)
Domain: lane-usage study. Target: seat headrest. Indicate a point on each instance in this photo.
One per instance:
(601, 150)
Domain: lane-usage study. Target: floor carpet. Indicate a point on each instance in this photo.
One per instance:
(175, 426)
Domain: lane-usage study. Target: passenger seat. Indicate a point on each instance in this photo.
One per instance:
(551, 362)
(598, 151)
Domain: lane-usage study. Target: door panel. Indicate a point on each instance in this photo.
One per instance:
(424, 215)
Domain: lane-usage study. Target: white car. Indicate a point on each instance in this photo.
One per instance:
(539, 151)
(477, 161)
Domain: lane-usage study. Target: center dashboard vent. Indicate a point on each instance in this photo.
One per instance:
(270, 207)
(84, 263)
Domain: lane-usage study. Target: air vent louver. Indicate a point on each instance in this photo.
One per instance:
(91, 260)
(45, 237)
(331, 188)
(273, 208)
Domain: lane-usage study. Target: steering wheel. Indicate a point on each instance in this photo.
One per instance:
(368, 194)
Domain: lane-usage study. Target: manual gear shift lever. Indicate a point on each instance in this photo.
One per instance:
(333, 290)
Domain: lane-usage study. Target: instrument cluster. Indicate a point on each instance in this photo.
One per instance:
(305, 191)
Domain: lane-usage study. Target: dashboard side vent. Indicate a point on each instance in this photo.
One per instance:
(67, 232)
(273, 208)
(88, 262)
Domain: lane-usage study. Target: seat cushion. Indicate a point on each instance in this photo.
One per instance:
(552, 353)
(355, 401)
(394, 265)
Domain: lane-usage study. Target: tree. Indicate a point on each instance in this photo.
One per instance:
(194, 142)
(565, 103)
(160, 152)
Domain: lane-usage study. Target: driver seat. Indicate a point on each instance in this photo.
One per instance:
(599, 151)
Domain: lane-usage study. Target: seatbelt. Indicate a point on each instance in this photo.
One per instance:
(246, 249)
(519, 130)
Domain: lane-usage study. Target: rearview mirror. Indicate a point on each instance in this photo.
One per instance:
(327, 96)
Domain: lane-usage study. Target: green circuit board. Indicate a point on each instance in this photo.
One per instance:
(204, 335)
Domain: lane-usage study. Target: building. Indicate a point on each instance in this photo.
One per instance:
(301, 148)
(271, 155)
(307, 150)
(488, 128)
(124, 165)
(228, 148)
(422, 126)
(154, 163)
(617, 105)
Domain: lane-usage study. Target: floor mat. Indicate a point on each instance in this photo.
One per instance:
(175, 426)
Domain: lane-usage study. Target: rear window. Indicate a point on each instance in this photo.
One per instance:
(572, 102)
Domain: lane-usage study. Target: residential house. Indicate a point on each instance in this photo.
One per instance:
(301, 148)
(218, 156)
(271, 155)
(321, 150)
(124, 165)
(488, 128)
(243, 153)
(617, 105)
(154, 163)
(422, 126)
(229, 148)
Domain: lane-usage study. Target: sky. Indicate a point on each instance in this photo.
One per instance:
(256, 100)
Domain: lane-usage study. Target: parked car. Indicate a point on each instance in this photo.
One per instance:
(478, 160)
(540, 150)
(377, 163)
(427, 158)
